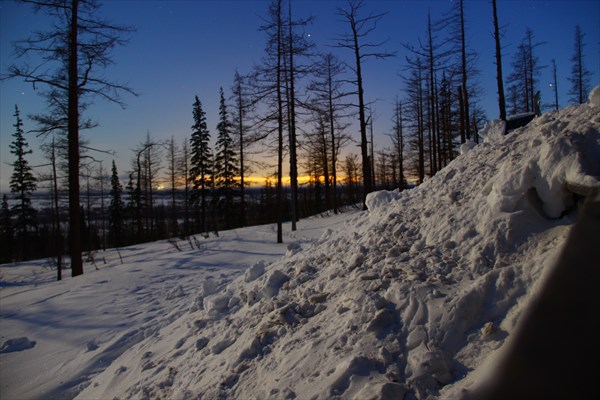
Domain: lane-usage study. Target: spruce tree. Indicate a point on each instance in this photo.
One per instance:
(225, 168)
(201, 163)
(22, 185)
(116, 209)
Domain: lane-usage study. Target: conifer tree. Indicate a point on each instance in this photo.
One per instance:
(201, 162)
(225, 168)
(22, 185)
(116, 209)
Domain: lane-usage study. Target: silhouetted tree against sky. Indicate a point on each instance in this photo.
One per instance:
(225, 167)
(580, 75)
(330, 95)
(499, 77)
(269, 86)
(526, 72)
(240, 120)
(398, 142)
(22, 185)
(554, 84)
(116, 209)
(201, 162)
(356, 41)
(173, 171)
(70, 55)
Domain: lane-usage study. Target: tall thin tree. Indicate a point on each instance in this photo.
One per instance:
(360, 28)
(580, 75)
(116, 209)
(201, 162)
(554, 84)
(241, 125)
(70, 54)
(397, 137)
(499, 77)
(225, 166)
(330, 95)
(22, 185)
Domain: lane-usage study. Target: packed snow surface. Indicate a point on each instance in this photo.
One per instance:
(414, 298)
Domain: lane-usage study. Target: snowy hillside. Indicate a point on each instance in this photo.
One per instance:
(412, 299)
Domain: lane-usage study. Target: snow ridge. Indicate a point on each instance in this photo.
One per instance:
(406, 301)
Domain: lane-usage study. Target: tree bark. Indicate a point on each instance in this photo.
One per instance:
(499, 79)
(73, 136)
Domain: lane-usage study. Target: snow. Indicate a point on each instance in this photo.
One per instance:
(594, 96)
(415, 298)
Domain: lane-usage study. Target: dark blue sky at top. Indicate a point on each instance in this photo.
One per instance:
(187, 48)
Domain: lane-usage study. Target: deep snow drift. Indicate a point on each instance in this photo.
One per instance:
(412, 299)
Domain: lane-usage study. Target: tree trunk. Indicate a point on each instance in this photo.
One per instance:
(499, 79)
(241, 133)
(333, 142)
(279, 206)
(432, 103)
(366, 164)
(465, 90)
(292, 133)
(58, 233)
(73, 136)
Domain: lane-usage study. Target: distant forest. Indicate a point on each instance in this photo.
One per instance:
(295, 107)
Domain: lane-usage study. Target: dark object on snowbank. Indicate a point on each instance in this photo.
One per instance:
(552, 350)
(517, 121)
(18, 344)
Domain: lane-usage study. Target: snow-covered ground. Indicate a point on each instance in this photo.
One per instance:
(415, 298)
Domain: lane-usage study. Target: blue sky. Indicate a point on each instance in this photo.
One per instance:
(187, 48)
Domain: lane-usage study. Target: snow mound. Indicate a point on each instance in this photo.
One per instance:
(407, 301)
(595, 96)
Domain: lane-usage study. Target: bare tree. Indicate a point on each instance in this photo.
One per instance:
(526, 71)
(351, 170)
(554, 84)
(329, 97)
(241, 121)
(431, 56)
(580, 75)
(397, 137)
(269, 87)
(360, 29)
(173, 172)
(184, 172)
(464, 69)
(415, 94)
(499, 78)
(70, 54)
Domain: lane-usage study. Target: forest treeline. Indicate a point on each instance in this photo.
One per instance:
(299, 106)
